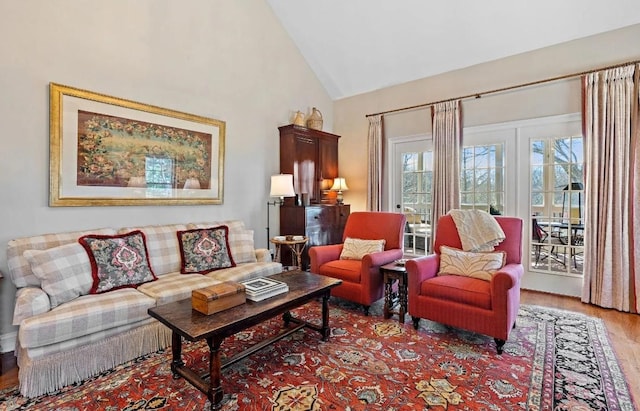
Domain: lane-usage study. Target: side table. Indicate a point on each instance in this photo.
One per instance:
(393, 272)
(296, 247)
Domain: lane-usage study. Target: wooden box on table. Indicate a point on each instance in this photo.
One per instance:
(219, 297)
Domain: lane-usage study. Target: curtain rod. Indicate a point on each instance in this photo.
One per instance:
(499, 90)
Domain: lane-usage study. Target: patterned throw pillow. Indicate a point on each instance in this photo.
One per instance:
(65, 271)
(476, 265)
(204, 250)
(118, 261)
(355, 248)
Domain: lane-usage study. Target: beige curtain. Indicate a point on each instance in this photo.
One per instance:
(374, 171)
(634, 293)
(447, 143)
(612, 217)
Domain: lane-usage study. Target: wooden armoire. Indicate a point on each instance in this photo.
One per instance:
(312, 157)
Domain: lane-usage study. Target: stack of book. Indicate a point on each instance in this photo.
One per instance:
(262, 288)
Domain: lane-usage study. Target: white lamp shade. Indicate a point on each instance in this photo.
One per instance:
(339, 184)
(282, 186)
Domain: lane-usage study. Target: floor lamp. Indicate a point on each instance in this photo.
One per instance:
(281, 187)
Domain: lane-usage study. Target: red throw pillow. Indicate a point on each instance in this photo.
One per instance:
(118, 261)
(204, 250)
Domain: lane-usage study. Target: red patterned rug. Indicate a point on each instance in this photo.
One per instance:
(554, 360)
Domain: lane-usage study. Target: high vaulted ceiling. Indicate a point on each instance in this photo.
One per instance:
(356, 46)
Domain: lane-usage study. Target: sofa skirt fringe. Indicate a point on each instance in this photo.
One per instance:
(50, 373)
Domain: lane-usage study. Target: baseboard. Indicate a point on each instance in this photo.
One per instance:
(555, 294)
(8, 342)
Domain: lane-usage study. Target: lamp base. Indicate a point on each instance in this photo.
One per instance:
(277, 202)
(339, 199)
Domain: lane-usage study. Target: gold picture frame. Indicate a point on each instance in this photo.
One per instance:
(108, 151)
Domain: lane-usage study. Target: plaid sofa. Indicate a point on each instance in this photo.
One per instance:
(61, 344)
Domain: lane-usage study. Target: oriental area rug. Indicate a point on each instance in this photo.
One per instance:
(554, 360)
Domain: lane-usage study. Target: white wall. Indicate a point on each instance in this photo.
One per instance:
(229, 60)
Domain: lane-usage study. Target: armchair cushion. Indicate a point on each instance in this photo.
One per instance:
(356, 248)
(476, 265)
(463, 290)
(347, 270)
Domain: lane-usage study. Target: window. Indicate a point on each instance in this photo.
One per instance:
(557, 204)
(482, 178)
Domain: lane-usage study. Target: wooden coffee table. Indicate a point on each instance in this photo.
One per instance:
(191, 325)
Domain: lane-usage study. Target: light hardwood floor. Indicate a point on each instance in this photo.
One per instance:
(624, 333)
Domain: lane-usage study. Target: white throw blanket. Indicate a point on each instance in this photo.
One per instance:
(478, 230)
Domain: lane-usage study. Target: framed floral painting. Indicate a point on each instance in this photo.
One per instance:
(110, 151)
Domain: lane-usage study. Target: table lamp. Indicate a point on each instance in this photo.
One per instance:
(339, 185)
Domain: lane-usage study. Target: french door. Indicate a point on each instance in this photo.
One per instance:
(412, 165)
(552, 192)
(500, 173)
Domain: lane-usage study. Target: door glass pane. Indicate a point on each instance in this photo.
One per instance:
(417, 174)
(557, 203)
(482, 178)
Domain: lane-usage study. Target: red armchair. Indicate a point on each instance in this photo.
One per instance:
(361, 279)
(485, 307)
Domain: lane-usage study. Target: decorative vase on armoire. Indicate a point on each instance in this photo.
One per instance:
(314, 121)
(298, 119)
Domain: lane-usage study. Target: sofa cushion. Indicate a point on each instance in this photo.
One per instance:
(455, 288)
(65, 271)
(242, 246)
(162, 243)
(205, 249)
(356, 248)
(175, 287)
(234, 225)
(246, 271)
(19, 268)
(30, 301)
(469, 264)
(117, 261)
(85, 315)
